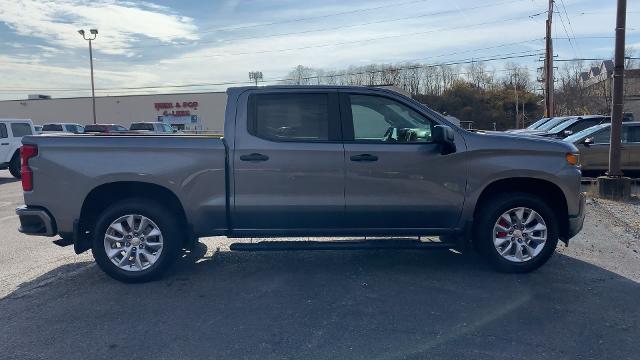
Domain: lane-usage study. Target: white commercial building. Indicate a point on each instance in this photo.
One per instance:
(188, 111)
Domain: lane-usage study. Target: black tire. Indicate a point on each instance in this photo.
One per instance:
(14, 165)
(489, 213)
(163, 218)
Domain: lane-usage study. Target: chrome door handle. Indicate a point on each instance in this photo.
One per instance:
(364, 157)
(254, 157)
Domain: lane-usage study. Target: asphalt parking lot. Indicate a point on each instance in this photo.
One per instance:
(402, 304)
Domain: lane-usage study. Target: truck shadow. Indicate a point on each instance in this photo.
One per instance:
(328, 304)
(7, 180)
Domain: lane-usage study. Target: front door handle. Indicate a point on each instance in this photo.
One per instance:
(5, 144)
(364, 157)
(254, 157)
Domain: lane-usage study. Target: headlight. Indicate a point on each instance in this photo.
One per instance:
(573, 159)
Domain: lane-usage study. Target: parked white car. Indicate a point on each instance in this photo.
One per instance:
(62, 127)
(152, 126)
(11, 133)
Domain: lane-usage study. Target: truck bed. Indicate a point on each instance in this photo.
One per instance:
(190, 166)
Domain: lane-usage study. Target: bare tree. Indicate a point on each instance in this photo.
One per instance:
(630, 63)
(300, 75)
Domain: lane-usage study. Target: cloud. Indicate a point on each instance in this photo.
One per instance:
(121, 23)
(214, 53)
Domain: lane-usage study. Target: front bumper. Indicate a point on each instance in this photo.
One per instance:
(35, 221)
(577, 221)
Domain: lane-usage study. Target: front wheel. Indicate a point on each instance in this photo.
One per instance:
(516, 232)
(136, 240)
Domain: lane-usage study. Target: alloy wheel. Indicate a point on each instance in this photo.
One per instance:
(519, 234)
(133, 242)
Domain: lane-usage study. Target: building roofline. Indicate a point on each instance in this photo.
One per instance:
(116, 96)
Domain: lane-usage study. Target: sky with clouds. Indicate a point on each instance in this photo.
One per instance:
(145, 44)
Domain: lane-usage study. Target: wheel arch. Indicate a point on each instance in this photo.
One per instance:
(102, 196)
(546, 190)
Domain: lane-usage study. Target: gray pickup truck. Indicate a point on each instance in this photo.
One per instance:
(304, 161)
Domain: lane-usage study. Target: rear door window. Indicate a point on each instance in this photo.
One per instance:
(21, 129)
(3, 131)
(632, 134)
(293, 117)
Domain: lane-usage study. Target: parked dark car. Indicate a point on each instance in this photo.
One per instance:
(152, 127)
(63, 127)
(593, 144)
(576, 124)
(104, 128)
(544, 127)
(538, 123)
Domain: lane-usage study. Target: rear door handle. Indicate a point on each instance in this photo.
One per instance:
(254, 157)
(5, 143)
(364, 157)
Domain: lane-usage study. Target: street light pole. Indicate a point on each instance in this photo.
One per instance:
(94, 32)
(255, 76)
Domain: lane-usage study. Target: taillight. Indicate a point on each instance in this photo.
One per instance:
(26, 153)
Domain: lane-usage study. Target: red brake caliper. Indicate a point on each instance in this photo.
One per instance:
(502, 223)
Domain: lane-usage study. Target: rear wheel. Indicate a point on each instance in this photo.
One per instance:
(516, 232)
(136, 240)
(14, 165)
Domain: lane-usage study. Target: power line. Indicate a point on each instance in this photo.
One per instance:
(596, 59)
(322, 29)
(564, 8)
(311, 17)
(450, 63)
(333, 44)
(229, 29)
(397, 61)
(567, 33)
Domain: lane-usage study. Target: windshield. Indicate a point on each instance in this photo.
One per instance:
(75, 128)
(584, 133)
(553, 123)
(563, 125)
(538, 123)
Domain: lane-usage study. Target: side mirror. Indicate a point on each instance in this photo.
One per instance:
(443, 135)
(567, 133)
(587, 142)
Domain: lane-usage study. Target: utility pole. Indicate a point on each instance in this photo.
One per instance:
(548, 65)
(614, 185)
(618, 91)
(515, 90)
